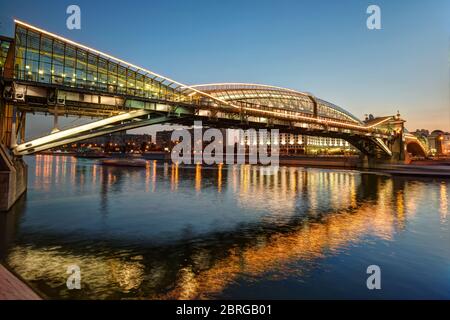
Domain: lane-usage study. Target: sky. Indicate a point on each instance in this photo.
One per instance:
(322, 46)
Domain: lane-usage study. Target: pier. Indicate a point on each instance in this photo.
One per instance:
(12, 288)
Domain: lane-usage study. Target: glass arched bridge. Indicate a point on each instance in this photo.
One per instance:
(44, 73)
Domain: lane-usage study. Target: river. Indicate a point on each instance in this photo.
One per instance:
(227, 232)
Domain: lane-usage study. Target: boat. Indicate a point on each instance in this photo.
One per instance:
(156, 155)
(124, 162)
(91, 153)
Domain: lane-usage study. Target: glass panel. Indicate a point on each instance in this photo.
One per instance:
(58, 71)
(42, 58)
(102, 74)
(139, 85)
(70, 57)
(92, 71)
(112, 77)
(81, 59)
(131, 82)
(122, 80)
(58, 52)
(20, 53)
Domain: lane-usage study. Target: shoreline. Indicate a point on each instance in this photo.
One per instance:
(430, 168)
(12, 287)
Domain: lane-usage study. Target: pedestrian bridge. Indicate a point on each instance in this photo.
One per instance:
(42, 72)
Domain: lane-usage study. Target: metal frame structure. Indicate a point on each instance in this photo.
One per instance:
(44, 72)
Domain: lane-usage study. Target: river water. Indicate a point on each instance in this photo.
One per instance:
(227, 232)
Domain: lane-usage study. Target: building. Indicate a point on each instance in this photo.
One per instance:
(439, 142)
(290, 143)
(116, 142)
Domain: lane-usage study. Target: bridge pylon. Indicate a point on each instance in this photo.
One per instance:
(13, 170)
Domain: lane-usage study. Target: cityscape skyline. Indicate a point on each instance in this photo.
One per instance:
(258, 151)
(367, 71)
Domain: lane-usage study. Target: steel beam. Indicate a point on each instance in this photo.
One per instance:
(133, 124)
(65, 134)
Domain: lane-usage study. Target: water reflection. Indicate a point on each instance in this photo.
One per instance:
(176, 232)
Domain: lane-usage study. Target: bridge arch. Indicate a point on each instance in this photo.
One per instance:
(415, 149)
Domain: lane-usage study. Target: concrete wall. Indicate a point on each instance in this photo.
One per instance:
(13, 180)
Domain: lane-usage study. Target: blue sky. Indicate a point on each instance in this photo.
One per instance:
(321, 47)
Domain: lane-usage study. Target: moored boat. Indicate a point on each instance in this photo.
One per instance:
(91, 153)
(124, 162)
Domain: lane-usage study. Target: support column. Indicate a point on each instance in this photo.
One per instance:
(13, 171)
(20, 132)
(399, 153)
(13, 179)
(7, 128)
(55, 120)
(367, 162)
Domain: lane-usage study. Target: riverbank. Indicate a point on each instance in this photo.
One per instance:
(440, 171)
(12, 288)
(424, 168)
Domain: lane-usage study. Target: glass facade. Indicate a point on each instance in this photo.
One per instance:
(45, 59)
(285, 100)
(4, 47)
(329, 110)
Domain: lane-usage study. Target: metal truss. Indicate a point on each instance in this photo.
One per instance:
(123, 122)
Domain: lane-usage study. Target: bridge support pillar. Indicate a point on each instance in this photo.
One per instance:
(367, 162)
(13, 170)
(398, 152)
(7, 124)
(13, 178)
(398, 147)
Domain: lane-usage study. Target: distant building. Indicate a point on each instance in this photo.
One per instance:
(287, 143)
(115, 142)
(439, 142)
(291, 143)
(421, 132)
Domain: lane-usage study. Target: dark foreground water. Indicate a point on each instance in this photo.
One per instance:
(167, 232)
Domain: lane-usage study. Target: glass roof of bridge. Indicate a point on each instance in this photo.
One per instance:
(42, 56)
(45, 57)
(266, 94)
